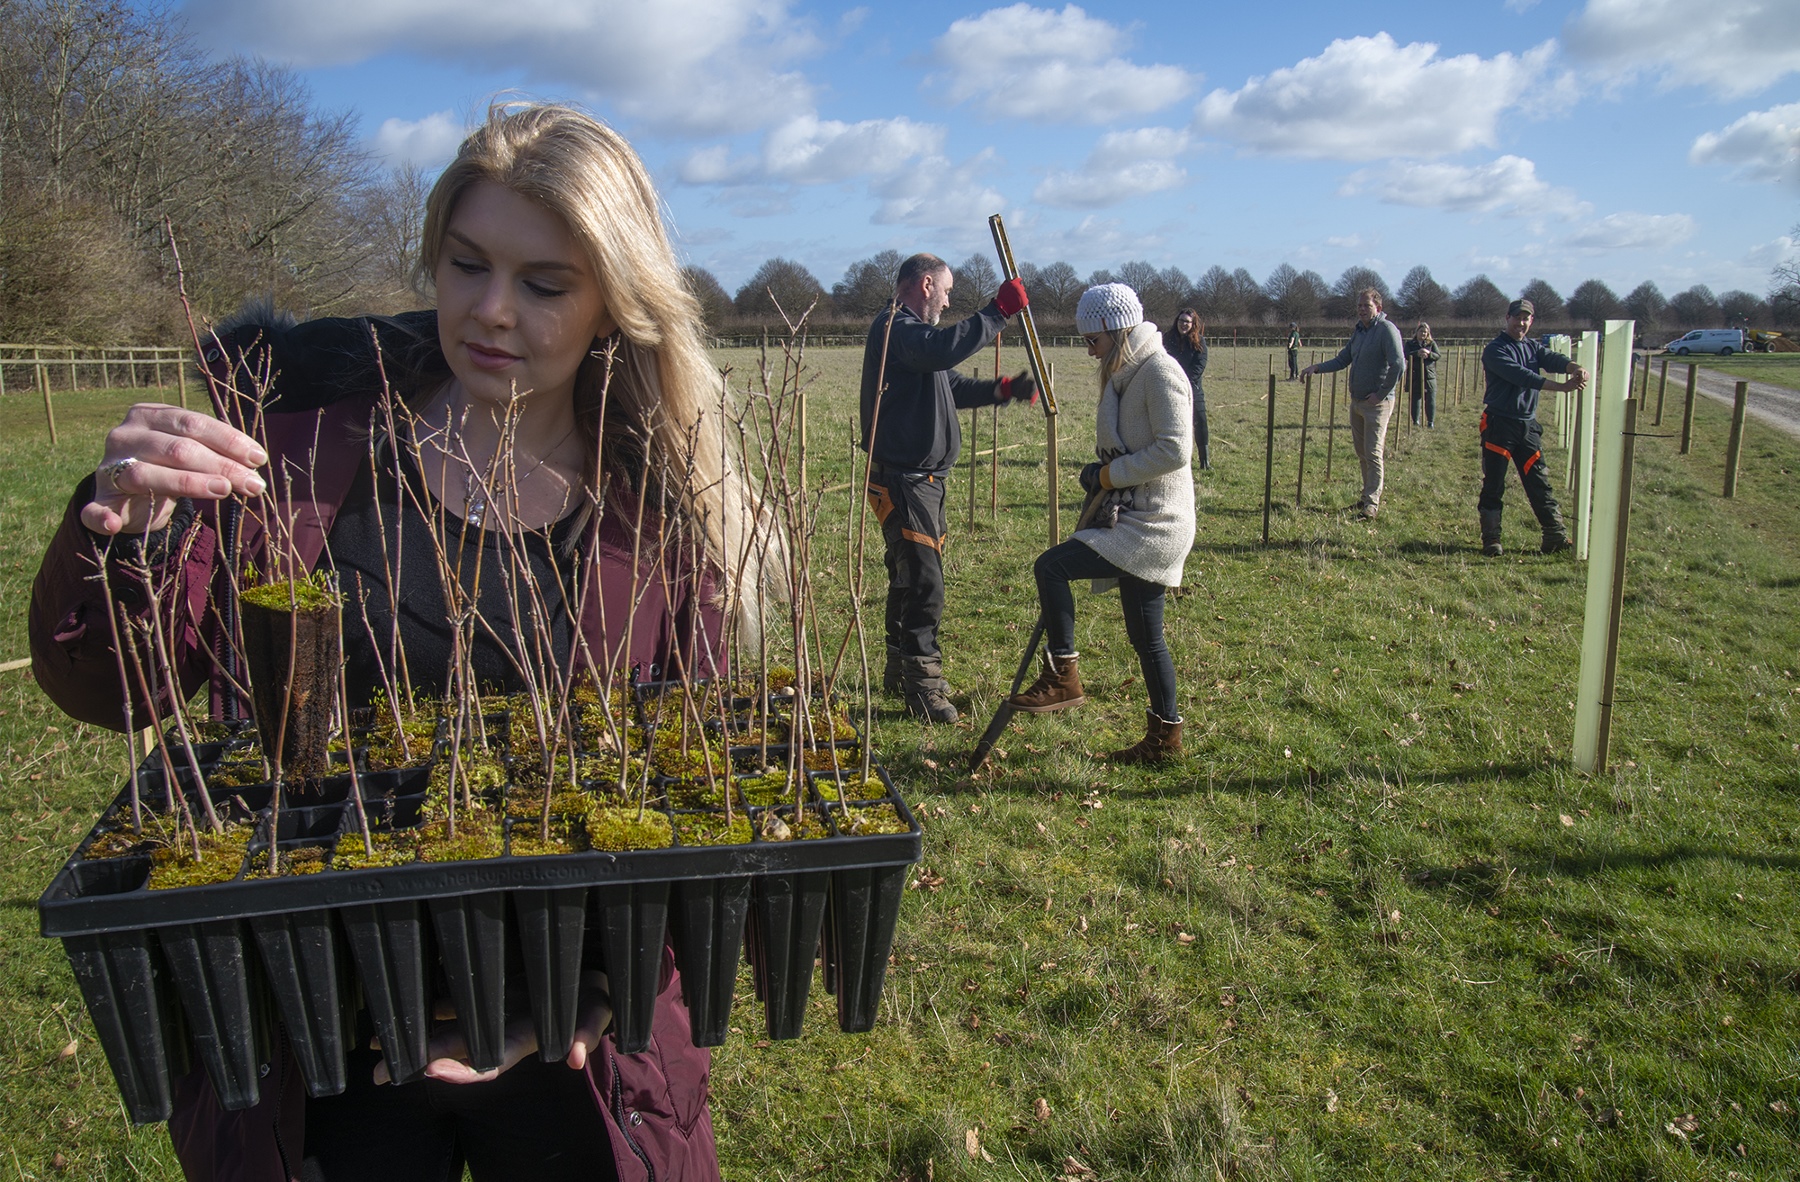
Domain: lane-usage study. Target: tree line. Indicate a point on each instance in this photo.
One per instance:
(782, 286)
(116, 132)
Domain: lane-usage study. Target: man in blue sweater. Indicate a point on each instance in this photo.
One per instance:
(1509, 427)
(1375, 358)
(910, 395)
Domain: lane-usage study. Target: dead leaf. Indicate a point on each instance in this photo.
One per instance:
(1779, 1107)
(1567, 820)
(1074, 1170)
(68, 1051)
(930, 764)
(1331, 1100)
(1040, 1108)
(972, 1146)
(1683, 1126)
(1183, 938)
(58, 1162)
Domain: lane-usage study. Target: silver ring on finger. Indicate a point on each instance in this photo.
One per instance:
(117, 469)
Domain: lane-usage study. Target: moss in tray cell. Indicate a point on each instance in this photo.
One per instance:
(831, 759)
(114, 845)
(390, 849)
(698, 793)
(778, 825)
(770, 788)
(850, 788)
(221, 855)
(869, 821)
(711, 829)
(309, 859)
(302, 595)
(572, 804)
(477, 836)
(564, 839)
(239, 773)
(613, 828)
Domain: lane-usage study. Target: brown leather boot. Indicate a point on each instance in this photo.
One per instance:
(1058, 687)
(1160, 744)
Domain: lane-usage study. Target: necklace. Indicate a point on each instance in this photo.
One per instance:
(475, 502)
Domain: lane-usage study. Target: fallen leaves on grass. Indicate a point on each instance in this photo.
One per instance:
(1683, 1126)
(1567, 820)
(68, 1051)
(972, 1146)
(1074, 1170)
(1331, 1100)
(1040, 1108)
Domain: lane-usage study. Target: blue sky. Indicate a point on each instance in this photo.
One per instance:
(1615, 139)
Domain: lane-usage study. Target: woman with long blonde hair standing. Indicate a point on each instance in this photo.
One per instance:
(564, 353)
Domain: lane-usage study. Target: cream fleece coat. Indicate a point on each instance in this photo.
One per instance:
(1144, 431)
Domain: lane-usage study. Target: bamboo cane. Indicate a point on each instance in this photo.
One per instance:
(1010, 270)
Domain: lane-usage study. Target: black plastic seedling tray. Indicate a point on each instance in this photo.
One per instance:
(215, 974)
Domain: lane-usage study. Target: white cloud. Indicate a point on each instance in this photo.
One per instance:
(1732, 49)
(807, 150)
(1771, 254)
(1763, 145)
(810, 150)
(1124, 164)
(427, 142)
(937, 193)
(1366, 98)
(685, 65)
(1347, 242)
(1632, 231)
(1507, 185)
(1022, 62)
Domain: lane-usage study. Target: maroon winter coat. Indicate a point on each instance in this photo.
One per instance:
(654, 1103)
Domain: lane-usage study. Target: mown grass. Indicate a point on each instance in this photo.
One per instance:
(1783, 369)
(1375, 926)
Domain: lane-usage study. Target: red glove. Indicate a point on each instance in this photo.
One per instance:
(1021, 386)
(1011, 298)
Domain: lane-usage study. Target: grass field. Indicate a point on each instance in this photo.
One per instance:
(1375, 926)
(1783, 369)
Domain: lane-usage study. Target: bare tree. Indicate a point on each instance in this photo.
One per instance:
(1480, 300)
(976, 282)
(780, 287)
(1593, 304)
(1421, 297)
(715, 303)
(867, 285)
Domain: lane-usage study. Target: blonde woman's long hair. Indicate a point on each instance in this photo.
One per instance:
(1114, 359)
(664, 401)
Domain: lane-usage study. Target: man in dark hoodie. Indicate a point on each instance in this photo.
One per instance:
(910, 396)
(1509, 427)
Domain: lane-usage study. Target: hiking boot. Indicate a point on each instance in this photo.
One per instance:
(1556, 535)
(1490, 533)
(1160, 744)
(924, 690)
(1058, 687)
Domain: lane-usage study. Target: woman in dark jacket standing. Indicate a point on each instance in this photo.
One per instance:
(1421, 372)
(1186, 343)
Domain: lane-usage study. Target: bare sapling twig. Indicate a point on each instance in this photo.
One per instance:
(101, 557)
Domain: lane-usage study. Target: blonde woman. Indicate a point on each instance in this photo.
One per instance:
(1143, 525)
(563, 332)
(1421, 366)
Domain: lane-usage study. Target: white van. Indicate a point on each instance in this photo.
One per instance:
(1723, 341)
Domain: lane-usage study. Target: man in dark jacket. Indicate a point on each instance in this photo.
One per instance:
(910, 396)
(1375, 358)
(1509, 427)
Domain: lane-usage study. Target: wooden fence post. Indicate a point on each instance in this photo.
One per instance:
(974, 450)
(49, 413)
(1687, 412)
(181, 381)
(1734, 448)
(1662, 384)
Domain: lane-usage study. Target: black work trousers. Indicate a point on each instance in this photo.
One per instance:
(910, 507)
(1516, 443)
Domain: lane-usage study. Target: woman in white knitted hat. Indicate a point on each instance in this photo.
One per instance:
(1138, 536)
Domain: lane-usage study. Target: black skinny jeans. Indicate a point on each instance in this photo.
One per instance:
(1058, 566)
